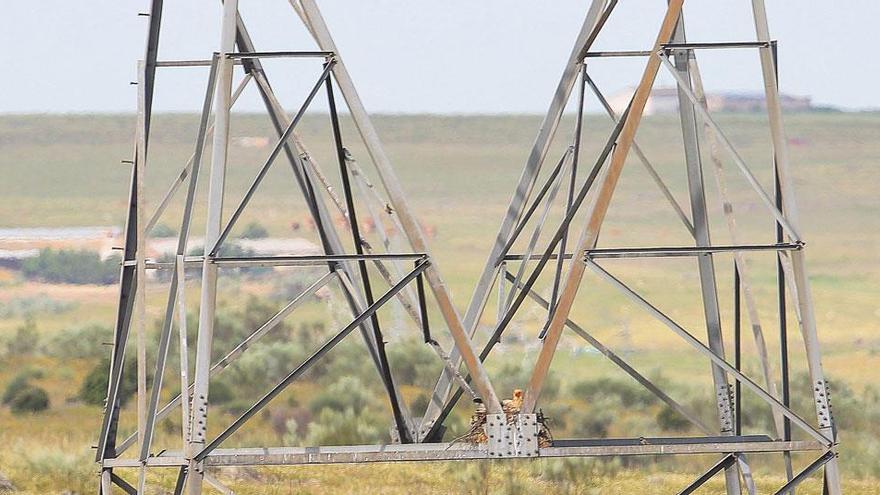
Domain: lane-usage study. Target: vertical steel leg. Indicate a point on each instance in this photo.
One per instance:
(705, 263)
(737, 351)
(177, 280)
(184, 353)
(785, 427)
(140, 298)
(106, 487)
(783, 340)
(803, 294)
(502, 299)
(127, 283)
(212, 231)
(128, 277)
(739, 259)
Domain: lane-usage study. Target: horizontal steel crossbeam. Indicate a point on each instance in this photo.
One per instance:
(679, 46)
(282, 54)
(618, 53)
(187, 63)
(301, 260)
(676, 251)
(276, 456)
(715, 45)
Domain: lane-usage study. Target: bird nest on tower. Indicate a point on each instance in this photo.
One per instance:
(512, 407)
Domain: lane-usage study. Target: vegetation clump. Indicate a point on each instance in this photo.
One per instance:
(94, 387)
(30, 399)
(24, 397)
(25, 340)
(69, 266)
(79, 342)
(163, 230)
(254, 230)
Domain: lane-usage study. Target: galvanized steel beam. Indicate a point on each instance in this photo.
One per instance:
(597, 213)
(291, 456)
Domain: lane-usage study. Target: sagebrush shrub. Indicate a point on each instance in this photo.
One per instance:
(94, 387)
(30, 399)
(18, 383)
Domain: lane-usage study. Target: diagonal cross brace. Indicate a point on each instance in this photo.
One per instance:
(302, 368)
(239, 349)
(413, 231)
(279, 146)
(717, 360)
(600, 207)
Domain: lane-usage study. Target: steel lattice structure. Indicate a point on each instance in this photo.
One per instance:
(563, 260)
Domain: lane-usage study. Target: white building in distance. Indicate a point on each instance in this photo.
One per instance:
(665, 101)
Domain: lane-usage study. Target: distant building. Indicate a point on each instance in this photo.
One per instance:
(252, 141)
(665, 101)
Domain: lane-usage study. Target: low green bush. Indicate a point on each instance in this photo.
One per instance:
(22, 396)
(79, 342)
(630, 394)
(163, 230)
(670, 420)
(228, 249)
(68, 266)
(221, 392)
(344, 428)
(254, 230)
(348, 393)
(30, 399)
(596, 423)
(94, 387)
(17, 384)
(31, 305)
(413, 362)
(25, 340)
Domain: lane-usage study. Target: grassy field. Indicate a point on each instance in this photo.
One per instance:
(458, 173)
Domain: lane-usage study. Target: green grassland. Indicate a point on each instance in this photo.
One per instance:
(459, 173)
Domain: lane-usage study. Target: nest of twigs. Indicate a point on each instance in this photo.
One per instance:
(476, 433)
(545, 437)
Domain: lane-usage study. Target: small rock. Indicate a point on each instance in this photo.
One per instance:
(6, 486)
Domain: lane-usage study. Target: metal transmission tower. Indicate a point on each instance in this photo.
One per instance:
(572, 249)
(505, 433)
(349, 270)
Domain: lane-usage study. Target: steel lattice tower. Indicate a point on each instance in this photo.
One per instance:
(572, 248)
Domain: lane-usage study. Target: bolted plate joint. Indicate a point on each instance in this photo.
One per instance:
(514, 436)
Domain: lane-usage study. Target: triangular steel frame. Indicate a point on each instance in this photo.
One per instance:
(350, 270)
(421, 440)
(671, 51)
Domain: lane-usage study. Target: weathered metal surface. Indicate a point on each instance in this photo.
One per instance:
(509, 435)
(284, 456)
(598, 210)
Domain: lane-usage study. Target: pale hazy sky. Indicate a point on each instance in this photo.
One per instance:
(443, 56)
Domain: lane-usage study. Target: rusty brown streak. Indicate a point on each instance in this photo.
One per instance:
(600, 208)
